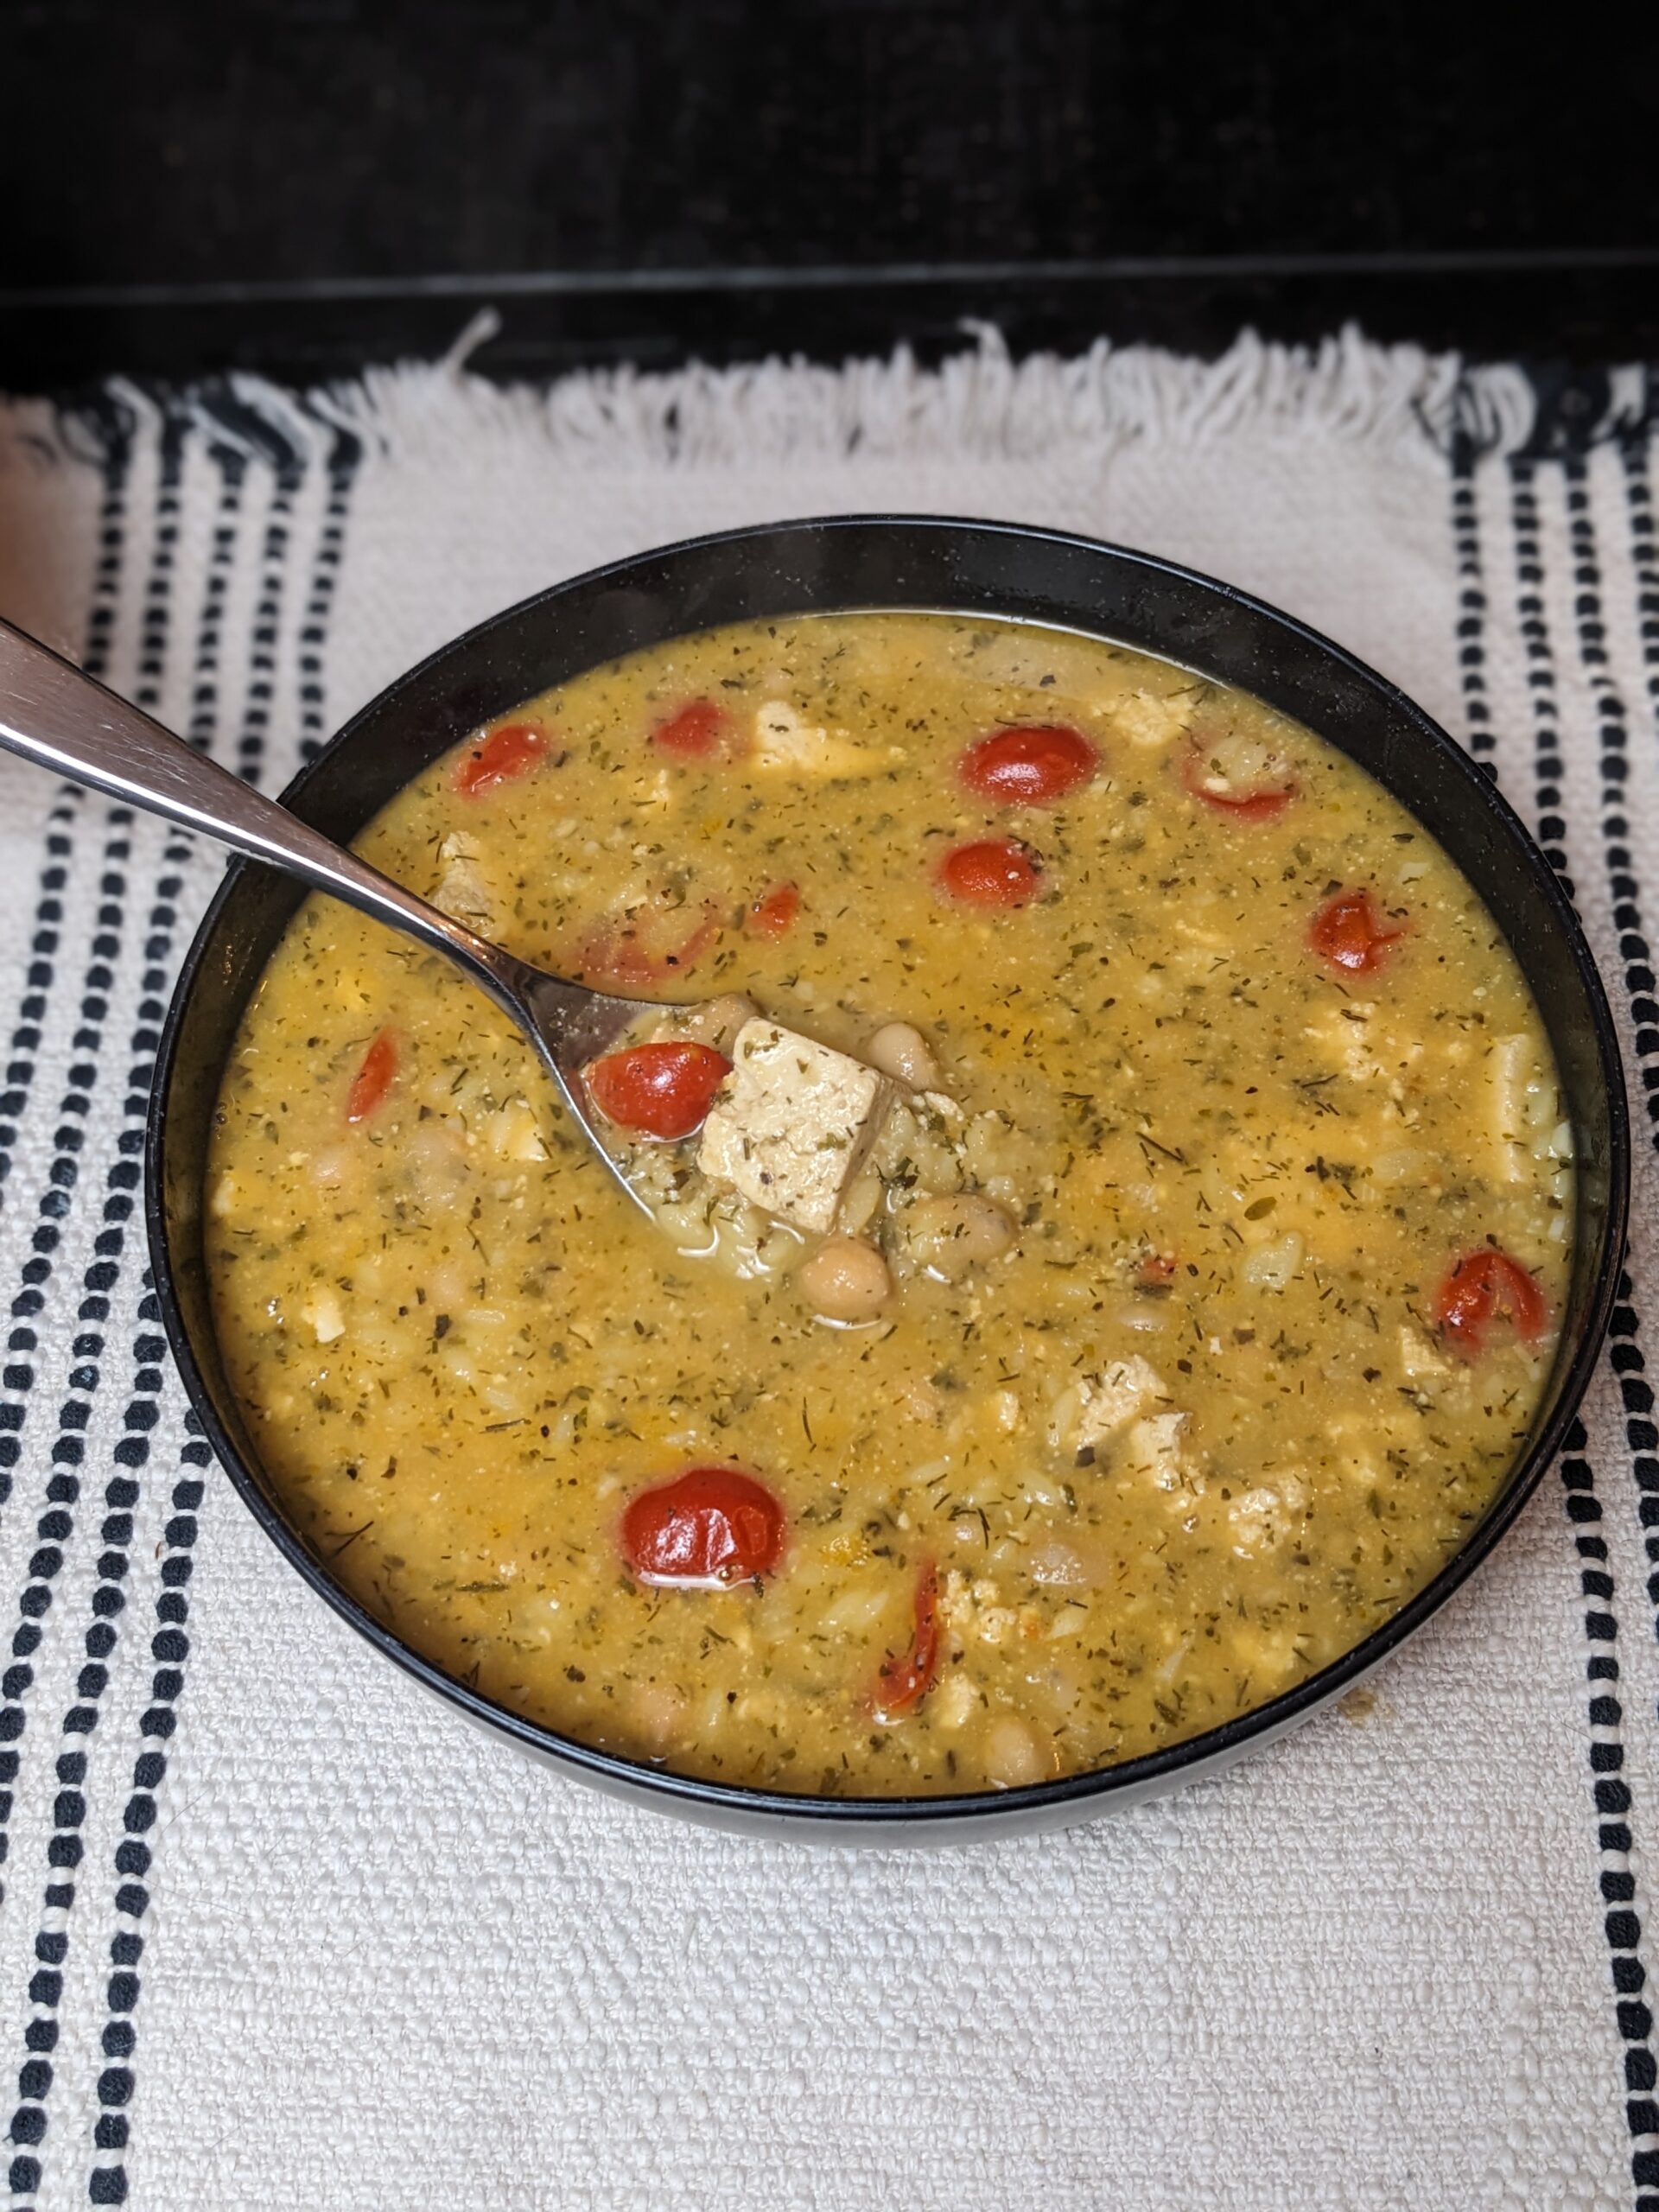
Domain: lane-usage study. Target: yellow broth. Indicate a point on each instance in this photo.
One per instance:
(1236, 1168)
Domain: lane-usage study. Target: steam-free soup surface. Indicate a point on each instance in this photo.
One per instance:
(1192, 1283)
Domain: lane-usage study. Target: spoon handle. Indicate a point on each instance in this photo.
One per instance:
(61, 720)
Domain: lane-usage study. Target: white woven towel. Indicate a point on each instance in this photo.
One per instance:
(279, 1931)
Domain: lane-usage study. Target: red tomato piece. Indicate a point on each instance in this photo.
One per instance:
(500, 756)
(1156, 1270)
(996, 872)
(699, 730)
(708, 1526)
(1238, 778)
(374, 1078)
(661, 1091)
(1028, 764)
(905, 1678)
(773, 913)
(647, 949)
(1348, 933)
(1482, 1288)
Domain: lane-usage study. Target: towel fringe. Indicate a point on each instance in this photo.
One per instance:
(979, 401)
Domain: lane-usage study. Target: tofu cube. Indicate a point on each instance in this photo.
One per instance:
(323, 1310)
(1098, 1407)
(1152, 1448)
(785, 742)
(461, 890)
(1146, 719)
(1420, 1358)
(792, 1123)
(514, 1133)
(1346, 1037)
(1267, 1515)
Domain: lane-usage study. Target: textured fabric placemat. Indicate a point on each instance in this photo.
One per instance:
(278, 1930)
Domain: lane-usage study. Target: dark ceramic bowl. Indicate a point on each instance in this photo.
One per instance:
(960, 567)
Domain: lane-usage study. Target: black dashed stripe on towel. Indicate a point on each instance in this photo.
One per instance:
(344, 452)
(122, 1491)
(1613, 1793)
(1644, 552)
(113, 428)
(170, 1647)
(104, 1606)
(210, 638)
(1605, 1752)
(258, 433)
(1621, 1922)
(62, 1180)
(56, 1524)
(1548, 767)
(63, 1847)
(1634, 954)
(1624, 1349)
(1471, 600)
(1644, 559)
(1644, 555)
(262, 684)
(107, 2180)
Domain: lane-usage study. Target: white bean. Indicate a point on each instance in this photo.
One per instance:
(902, 1052)
(435, 1160)
(1057, 1565)
(657, 1710)
(716, 1022)
(845, 1279)
(1274, 1266)
(1012, 1758)
(949, 1236)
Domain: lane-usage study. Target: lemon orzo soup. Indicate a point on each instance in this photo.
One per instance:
(1106, 1207)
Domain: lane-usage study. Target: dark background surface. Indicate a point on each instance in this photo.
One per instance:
(300, 186)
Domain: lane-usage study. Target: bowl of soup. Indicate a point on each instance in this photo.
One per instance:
(1126, 1179)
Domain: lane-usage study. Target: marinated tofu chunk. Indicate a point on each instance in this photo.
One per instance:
(1268, 1514)
(791, 1126)
(1153, 1448)
(785, 740)
(1148, 719)
(461, 890)
(1097, 1407)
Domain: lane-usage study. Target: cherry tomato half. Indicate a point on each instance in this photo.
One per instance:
(661, 1091)
(773, 913)
(374, 1078)
(500, 756)
(708, 1526)
(1483, 1286)
(699, 730)
(905, 1678)
(1028, 764)
(996, 872)
(1348, 932)
(1238, 777)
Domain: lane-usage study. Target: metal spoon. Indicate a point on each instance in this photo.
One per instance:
(53, 715)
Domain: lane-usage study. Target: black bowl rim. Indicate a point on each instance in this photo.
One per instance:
(998, 1808)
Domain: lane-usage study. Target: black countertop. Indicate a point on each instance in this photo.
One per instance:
(300, 186)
